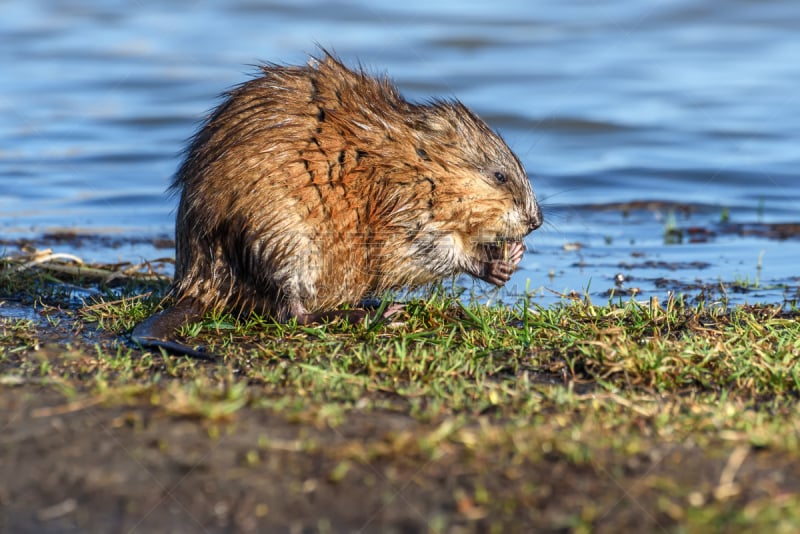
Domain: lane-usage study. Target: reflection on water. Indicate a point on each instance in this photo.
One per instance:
(686, 101)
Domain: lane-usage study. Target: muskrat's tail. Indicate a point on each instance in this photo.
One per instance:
(156, 330)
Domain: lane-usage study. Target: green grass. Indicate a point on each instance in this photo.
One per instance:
(677, 399)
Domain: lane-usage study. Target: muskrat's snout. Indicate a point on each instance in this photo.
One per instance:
(535, 218)
(523, 219)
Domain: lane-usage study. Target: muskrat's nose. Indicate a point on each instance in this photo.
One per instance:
(535, 221)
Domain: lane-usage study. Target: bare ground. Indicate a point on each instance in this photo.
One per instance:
(84, 463)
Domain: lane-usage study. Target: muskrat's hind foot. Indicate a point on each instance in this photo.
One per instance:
(156, 330)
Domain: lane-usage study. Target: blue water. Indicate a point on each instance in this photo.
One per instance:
(694, 102)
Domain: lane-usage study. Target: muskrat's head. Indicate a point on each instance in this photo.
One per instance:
(481, 188)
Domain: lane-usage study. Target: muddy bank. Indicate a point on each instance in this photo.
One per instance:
(649, 415)
(133, 469)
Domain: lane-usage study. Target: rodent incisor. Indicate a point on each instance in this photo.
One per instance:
(315, 186)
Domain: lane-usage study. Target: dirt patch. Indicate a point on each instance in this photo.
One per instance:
(131, 468)
(145, 460)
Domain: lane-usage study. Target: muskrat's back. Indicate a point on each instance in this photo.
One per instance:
(314, 186)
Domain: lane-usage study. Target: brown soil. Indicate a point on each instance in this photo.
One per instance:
(75, 464)
(133, 469)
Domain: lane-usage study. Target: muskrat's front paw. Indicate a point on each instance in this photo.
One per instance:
(498, 272)
(503, 261)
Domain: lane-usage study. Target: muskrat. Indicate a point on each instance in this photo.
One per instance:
(312, 187)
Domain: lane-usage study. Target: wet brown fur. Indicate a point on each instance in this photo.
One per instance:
(315, 186)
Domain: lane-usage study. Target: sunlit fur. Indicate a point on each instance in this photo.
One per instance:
(314, 186)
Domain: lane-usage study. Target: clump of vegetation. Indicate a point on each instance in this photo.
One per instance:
(580, 417)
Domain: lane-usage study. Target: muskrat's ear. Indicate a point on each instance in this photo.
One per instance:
(440, 126)
(435, 123)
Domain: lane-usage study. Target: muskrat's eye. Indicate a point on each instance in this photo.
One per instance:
(500, 177)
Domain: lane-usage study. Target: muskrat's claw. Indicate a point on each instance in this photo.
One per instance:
(509, 251)
(515, 252)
